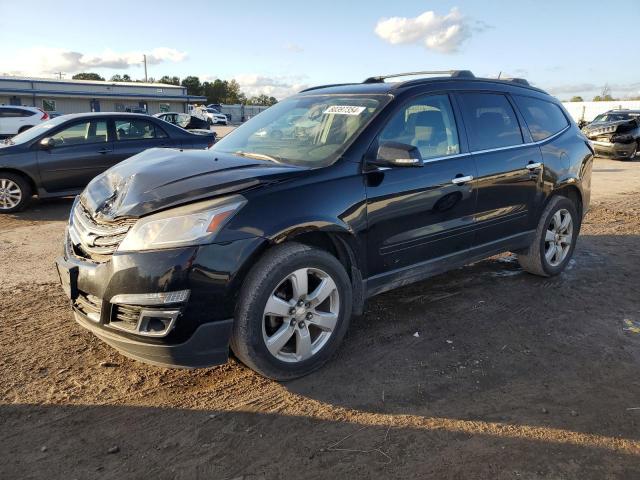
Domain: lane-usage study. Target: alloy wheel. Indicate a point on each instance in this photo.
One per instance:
(558, 237)
(300, 315)
(10, 194)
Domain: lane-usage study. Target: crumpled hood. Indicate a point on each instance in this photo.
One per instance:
(160, 178)
(600, 128)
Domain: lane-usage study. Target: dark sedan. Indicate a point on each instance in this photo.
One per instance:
(59, 157)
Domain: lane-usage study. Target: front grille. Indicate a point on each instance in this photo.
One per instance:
(125, 316)
(89, 305)
(94, 239)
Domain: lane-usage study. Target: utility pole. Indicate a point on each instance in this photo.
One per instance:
(60, 75)
(145, 68)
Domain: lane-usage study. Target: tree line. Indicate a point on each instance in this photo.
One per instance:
(605, 96)
(219, 91)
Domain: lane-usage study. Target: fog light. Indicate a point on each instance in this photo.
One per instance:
(159, 298)
(155, 323)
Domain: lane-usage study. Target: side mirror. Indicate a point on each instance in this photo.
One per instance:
(47, 143)
(395, 154)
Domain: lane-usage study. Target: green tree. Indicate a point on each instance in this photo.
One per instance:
(262, 100)
(119, 78)
(597, 98)
(87, 76)
(577, 98)
(193, 85)
(169, 80)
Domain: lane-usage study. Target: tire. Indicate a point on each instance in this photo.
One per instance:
(270, 280)
(539, 259)
(15, 192)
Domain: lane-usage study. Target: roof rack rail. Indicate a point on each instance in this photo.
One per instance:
(520, 81)
(325, 86)
(451, 73)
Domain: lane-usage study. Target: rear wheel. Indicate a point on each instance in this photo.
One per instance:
(555, 239)
(292, 313)
(15, 192)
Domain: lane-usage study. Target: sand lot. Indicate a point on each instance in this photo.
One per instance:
(511, 376)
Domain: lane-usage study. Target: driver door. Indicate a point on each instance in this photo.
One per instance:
(417, 215)
(81, 151)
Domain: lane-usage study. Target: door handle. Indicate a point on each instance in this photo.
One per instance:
(462, 179)
(104, 150)
(534, 165)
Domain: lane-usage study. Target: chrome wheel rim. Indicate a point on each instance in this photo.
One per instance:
(300, 315)
(558, 238)
(10, 194)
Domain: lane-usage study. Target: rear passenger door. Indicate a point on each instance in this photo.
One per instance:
(509, 165)
(135, 135)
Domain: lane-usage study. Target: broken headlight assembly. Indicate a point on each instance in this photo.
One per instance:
(189, 225)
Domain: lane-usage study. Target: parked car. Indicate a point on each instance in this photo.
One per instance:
(269, 245)
(615, 134)
(214, 117)
(186, 121)
(59, 157)
(14, 119)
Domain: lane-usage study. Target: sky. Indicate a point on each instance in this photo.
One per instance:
(279, 47)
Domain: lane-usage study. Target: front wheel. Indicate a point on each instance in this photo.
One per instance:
(292, 313)
(555, 239)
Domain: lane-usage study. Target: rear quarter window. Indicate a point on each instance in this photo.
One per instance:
(543, 118)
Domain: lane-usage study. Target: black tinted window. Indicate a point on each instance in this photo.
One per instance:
(137, 129)
(490, 121)
(543, 118)
(426, 123)
(15, 112)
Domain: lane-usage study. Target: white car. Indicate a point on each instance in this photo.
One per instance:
(15, 119)
(214, 117)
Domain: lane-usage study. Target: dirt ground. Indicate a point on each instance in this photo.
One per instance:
(485, 372)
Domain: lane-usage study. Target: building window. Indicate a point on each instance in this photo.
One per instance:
(165, 107)
(49, 105)
(119, 107)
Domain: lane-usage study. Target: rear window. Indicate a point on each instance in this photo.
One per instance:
(490, 121)
(543, 118)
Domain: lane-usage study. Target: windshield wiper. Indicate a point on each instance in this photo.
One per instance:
(257, 156)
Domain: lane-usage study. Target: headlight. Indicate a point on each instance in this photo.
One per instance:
(189, 225)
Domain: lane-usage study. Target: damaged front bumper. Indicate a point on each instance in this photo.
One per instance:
(615, 150)
(171, 307)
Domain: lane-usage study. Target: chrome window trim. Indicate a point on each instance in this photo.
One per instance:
(478, 152)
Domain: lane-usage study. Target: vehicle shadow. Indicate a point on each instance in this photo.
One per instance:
(45, 210)
(492, 343)
(115, 442)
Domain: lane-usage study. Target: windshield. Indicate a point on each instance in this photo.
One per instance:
(612, 117)
(36, 131)
(308, 130)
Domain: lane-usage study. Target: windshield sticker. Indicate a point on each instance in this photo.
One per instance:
(344, 110)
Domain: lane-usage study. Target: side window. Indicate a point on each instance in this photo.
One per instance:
(543, 118)
(427, 123)
(137, 129)
(490, 121)
(81, 133)
(14, 113)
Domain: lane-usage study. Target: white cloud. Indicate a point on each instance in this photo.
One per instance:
(293, 48)
(440, 33)
(39, 61)
(279, 87)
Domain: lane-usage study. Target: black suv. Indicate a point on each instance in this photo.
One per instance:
(268, 244)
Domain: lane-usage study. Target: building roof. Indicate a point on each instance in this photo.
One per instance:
(88, 82)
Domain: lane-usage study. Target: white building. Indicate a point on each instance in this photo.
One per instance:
(78, 96)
